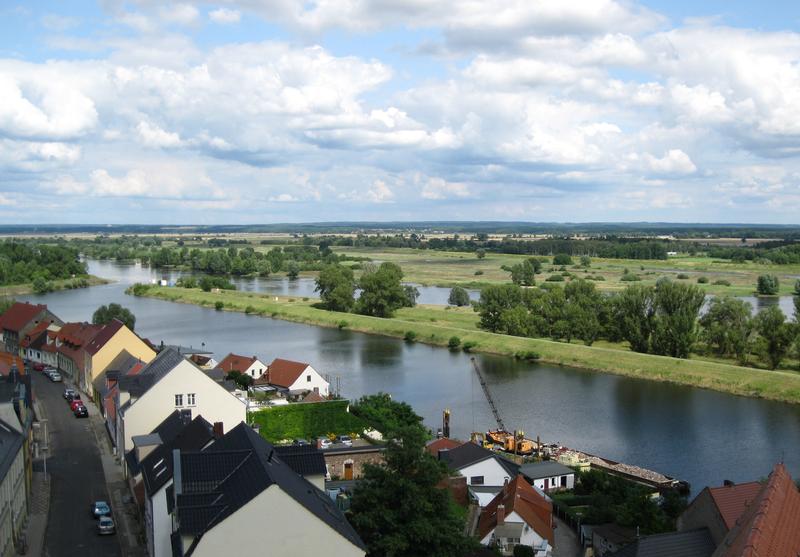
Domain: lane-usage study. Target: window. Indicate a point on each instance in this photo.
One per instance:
(308, 378)
(190, 399)
(178, 400)
(476, 480)
(563, 481)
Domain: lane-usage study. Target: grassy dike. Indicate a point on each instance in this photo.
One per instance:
(434, 325)
(61, 284)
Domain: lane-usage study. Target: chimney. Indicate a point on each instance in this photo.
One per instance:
(219, 430)
(728, 483)
(501, 514)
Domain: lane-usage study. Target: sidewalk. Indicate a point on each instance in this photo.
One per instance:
(130, 531)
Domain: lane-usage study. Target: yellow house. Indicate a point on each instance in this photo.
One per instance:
(106, 345)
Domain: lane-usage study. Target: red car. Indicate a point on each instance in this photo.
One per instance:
(38, 367)
(75, 403)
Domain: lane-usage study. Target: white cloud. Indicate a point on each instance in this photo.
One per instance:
(379, 192)
(674, 161)
(437, 188)
(153, 136)
(225, 16)
(180, 14)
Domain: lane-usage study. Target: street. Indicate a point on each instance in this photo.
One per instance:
(77, 479)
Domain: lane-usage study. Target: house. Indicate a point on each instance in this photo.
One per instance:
(107, 388)
(10, 363)
(691, 543)
(518, 515)
(293, 378)
(203, 361)
(306, 460)
(608, 538)
(156, 471)
(105, 346)
(718, 508)
(68, 346)
(480, 466)
(251, 366)
(35, 339)
(441, 444)
(348, 463)
(548, 475)
(770, 525)
(13, 497)
(239, 489)
(170, 382)
(19, 319)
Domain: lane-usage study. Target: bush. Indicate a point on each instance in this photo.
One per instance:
(630, 277)
(453, 343)
(410, 336)
(683, 276)
(249, 309)
(218, 306)
(767, 285)
(562, 259)
(555, 278)
(139, 289)
(478, 273)
(722, 282)
(702, 280)
(469, 346)
(585, 261)
(528, 355)
(458, 297)
(342, 324)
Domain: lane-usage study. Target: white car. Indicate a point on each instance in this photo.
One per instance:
(55, 377)
(324, 443)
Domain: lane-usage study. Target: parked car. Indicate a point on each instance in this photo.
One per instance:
(344, 440)
(324, 443)
(73, 397)
(81, 412)
(55, 377)
(300, 442)
(70, 394)
(100, 508)
(105, 525)
(75, 403)
(38, 366)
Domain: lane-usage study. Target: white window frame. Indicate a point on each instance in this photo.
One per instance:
(178, 401)
(191, 399)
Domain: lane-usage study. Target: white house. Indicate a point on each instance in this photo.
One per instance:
(294, 377)
(239, 489)
(548, 475)
(171, 382)
(518, 515)
(480, 466)
(251, 366)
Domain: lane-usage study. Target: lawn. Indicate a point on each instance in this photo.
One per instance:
(306, 421)
(435, 325)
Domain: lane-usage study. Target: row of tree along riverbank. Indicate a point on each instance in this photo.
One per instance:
(456, 327)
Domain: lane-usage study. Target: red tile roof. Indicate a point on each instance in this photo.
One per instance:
(34, 333)
(519, 497)
(74, 337)
(20, 314)
(770, 526)
(284, 373)
(106, 333)
(441, 445)
(732, 500)
(234, 362)
(7, 360)
(313, 396)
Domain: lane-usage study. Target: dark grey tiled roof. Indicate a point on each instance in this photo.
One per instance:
(10, 445)
(157, 466)
(470, 453)
(694, 543)
(118, 367)
(306, 460)
(234, 469)
(151, 374)
(173, 425)
(544, 469)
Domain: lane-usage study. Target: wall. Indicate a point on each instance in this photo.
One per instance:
(274, 522)
(493, 474)
(529, 535)
(302, 384)
(336, 461)
(555, 483)
(158, 524)
(13, 504)
(213, 402)
(703, 512)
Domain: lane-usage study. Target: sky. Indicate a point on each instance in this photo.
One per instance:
(264, 111)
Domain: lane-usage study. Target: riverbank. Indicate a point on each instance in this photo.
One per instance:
(435, 326)
(63, 284)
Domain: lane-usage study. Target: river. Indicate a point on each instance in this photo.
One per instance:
(697, 435)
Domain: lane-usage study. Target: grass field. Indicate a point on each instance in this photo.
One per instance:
(441, 268)
(306, 421)
(435, 325)
(21, 289)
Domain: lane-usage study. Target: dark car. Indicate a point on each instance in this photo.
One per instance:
(69, 393)
(81, 412)
(105, 526)
(75, 404)
(100, 508)
(300, 442)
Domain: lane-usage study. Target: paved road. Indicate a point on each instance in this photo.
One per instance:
(76, 479)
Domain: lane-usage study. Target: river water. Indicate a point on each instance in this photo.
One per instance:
(697, 435)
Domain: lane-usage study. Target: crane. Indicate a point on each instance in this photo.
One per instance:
(485, 387)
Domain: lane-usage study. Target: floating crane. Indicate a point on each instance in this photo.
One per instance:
(511, 442)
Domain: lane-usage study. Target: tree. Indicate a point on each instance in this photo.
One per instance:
(776, 336)
(677, 307)
(480, 253)
(767, 285)
(241, 379)
(336, 287)
(635, 309)
(397, 509)
(728, 326)
(585, 309)
(410, 295)
(381, 291)
(293, 270)
(562, 259)
(586, 261)
(105, 314)
(494, 301)
(41, 286)
(523, 274)
(797, 288)
(458, 297)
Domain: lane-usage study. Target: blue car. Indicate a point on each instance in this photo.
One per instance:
(100, 508)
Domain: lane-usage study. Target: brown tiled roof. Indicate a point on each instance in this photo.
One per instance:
(284, 373)
(20, 314)
(106, 333)
(770, 526)
(7, 360)
(33, 334)
(74, 338)
(235, 362)
(442, 444)
(519, 497)
(313, 396)
(732, 500)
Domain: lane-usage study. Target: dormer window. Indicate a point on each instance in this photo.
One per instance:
(308, 378)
